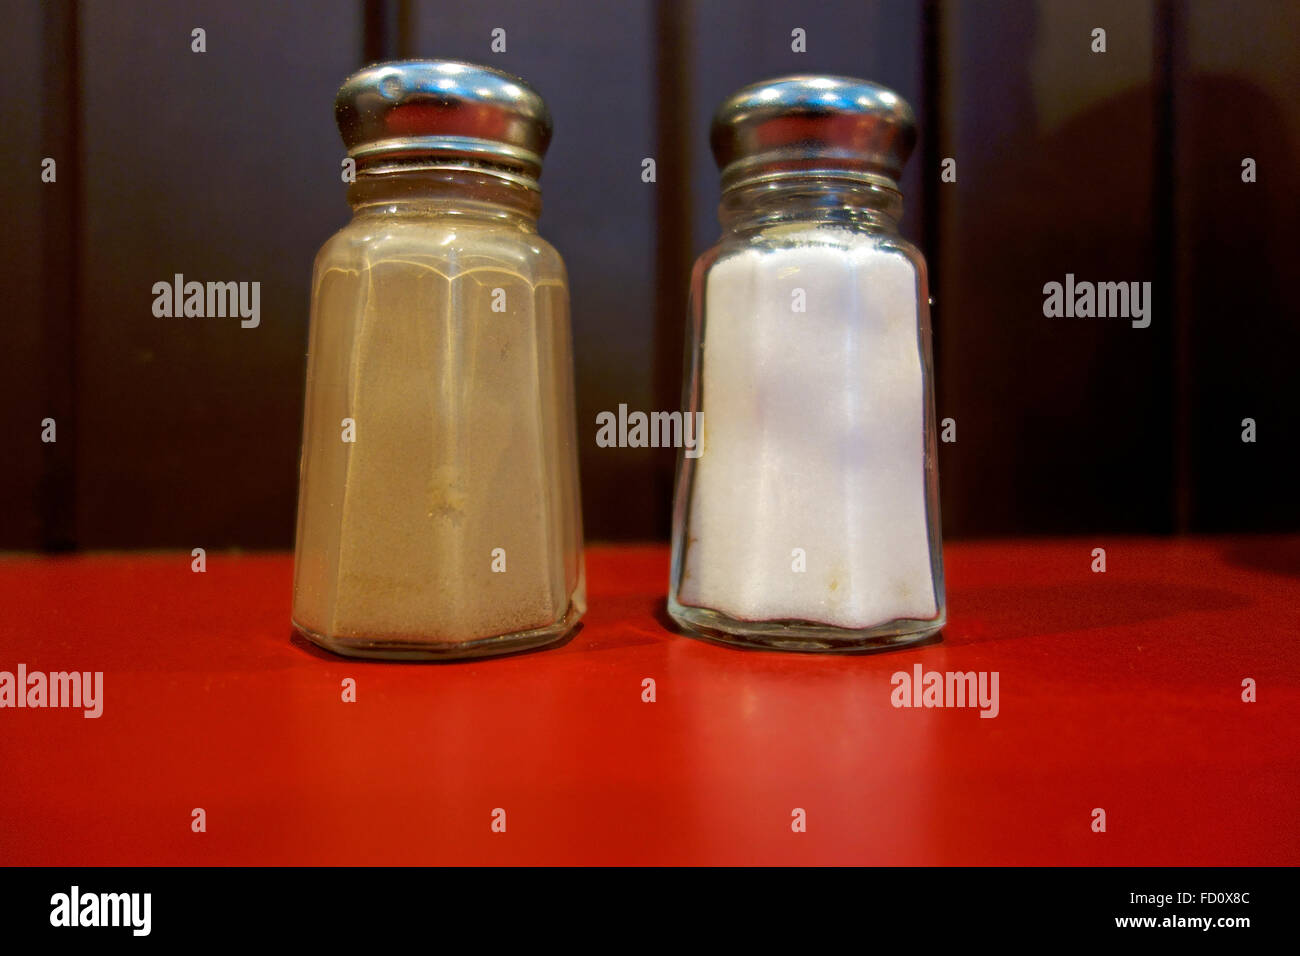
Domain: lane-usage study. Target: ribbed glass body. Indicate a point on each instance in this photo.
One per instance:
(438, 502)
(810, 521)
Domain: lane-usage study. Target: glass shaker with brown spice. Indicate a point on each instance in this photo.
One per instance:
(438, 506)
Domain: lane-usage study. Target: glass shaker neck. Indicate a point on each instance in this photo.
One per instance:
(473, 190)
(870, 203)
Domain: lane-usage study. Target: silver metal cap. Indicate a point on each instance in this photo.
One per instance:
(407, 109)
(811, 121)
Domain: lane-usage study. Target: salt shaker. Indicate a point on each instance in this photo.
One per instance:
(810, 519)
(438, 501)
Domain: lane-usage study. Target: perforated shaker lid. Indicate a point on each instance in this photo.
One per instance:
(812, 120)
(443, 108)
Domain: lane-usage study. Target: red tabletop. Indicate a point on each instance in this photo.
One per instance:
(1119, 690)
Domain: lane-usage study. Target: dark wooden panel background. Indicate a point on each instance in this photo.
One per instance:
(224, 166)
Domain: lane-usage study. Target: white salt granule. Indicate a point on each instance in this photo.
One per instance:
(813, 438)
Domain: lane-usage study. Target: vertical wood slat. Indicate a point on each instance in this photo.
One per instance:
(1234, 93)
(388, 30)
(28, 480)
(60, 265)
(930, 156)
(673, 257)
(1164, 180)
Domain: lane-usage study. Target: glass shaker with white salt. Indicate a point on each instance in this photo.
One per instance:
(438, 509)
(810, 519)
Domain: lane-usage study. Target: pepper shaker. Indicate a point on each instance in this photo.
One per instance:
(438, 499)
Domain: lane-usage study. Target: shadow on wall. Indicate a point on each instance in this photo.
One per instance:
(1091, 424)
